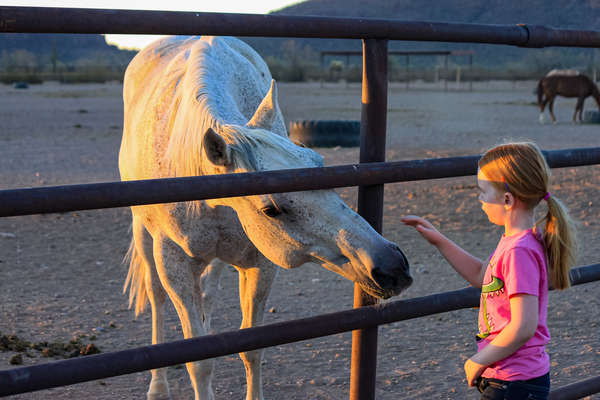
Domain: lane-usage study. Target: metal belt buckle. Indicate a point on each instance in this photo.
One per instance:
(481, 384)
(497, 385)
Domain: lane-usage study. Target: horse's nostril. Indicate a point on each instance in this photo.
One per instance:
(404, 265)
(383, 279)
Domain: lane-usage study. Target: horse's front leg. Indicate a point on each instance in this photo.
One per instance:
(542, 106)
(255, 285)
(578, 109)
(551, 109)
(178, 274)
(159, 387)
(209, 281)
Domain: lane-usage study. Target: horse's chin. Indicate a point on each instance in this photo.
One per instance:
(342, 265)
(380, 293)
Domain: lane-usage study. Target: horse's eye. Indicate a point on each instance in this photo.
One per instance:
(271, 211)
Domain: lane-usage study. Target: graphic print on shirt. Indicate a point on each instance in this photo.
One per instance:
(493, 288)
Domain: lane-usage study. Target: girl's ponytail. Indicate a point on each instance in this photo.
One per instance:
(560, 241)
(522, 168)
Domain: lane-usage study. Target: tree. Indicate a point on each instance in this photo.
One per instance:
(18, 60)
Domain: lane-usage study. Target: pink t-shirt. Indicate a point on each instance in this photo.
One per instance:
(518, 266)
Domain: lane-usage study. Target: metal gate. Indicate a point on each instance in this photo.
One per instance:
(369, 175)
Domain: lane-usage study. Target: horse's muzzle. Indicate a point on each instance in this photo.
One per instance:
(392, 273)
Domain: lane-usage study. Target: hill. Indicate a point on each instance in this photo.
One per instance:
(565, 14)
(289, 58)
(68, 50)
(568, 14)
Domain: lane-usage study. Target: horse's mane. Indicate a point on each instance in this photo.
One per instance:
(200, 101)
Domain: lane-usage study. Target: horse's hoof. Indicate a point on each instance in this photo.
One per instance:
(158, 391)
(158, 396)
(541, 118)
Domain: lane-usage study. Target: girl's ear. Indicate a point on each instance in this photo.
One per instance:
(509, 200)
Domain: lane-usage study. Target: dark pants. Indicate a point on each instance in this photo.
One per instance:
(532, 389)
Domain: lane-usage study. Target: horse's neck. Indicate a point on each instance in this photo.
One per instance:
(595, 93)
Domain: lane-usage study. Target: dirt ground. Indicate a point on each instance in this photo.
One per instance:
(61, 275)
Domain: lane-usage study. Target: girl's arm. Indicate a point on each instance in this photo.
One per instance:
(468, 266)
(521, 328)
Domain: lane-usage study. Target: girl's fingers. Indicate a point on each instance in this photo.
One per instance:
(411, 220)
(424, 230)
(409, 217)
(416, 221)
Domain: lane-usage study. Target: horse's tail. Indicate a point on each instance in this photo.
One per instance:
(540, 92)
(136, 276)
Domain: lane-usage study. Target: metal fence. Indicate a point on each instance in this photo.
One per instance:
(369, 175)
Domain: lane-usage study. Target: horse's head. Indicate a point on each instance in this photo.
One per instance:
(292, 229)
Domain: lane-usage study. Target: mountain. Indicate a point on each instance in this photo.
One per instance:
(86, 50)
(568, 14)
(564, 14)
(66, 49)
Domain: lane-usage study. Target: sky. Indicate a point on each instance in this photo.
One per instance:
(139, 41)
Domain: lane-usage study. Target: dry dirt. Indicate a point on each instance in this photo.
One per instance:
(62, 274)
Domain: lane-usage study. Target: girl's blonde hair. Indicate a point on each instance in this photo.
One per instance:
(521, 169)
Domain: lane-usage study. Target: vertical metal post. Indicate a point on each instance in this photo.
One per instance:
(323, 71)
(347, 69)
(407, 70)
(445, 72)
(370, 203)
(471, 72)
(594, 50)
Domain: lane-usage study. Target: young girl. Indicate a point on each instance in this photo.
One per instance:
(511, 362)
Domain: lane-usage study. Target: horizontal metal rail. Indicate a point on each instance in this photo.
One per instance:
(51, 199)
(77, 370)
(83, 20)
(577, 390)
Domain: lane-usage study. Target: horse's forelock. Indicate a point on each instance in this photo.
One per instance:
(248, 145)
(243, 147)
(270, 142)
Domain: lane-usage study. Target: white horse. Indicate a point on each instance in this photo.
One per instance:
(208, 105)
(567, 72)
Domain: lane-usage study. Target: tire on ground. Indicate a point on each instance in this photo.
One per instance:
(325, 133)
(591, 117)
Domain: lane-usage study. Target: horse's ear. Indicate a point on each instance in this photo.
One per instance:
(215, 148)
(267, 112)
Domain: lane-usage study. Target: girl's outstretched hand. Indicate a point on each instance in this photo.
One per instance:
(424, 227)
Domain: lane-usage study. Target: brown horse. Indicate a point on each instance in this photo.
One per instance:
(579, 86)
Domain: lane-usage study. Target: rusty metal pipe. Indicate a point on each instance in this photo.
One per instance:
(577, 390)
(100, 366)
(83, 20)
(121, 194)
